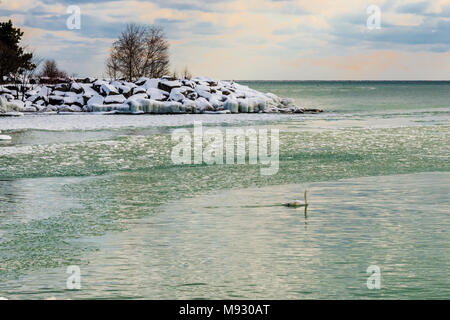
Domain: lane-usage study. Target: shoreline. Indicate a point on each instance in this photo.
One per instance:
(161, 96)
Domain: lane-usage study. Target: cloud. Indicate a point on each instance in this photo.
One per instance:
(415, 8)
(244, 39)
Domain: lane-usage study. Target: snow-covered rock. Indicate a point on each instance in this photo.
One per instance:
(177, 94)
(108, 89)
(152, 96)
(203, 105)
(140, 89)
(44, 92)
(157, 94)
(29, 109)
(97, 99)
(115, 99)
(151, 83)
(88, 91)
(76, 87)
(168, 85)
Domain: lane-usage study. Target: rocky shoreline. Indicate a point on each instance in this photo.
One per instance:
(145, 96)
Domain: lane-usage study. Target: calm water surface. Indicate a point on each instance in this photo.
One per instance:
(101, 192)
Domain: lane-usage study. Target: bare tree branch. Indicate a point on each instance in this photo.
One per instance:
(140, 51)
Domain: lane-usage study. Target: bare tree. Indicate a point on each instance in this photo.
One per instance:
(140, 51)
(187, 74)
(50, 70)
(24, 76)
(157, 47)
(112, 67)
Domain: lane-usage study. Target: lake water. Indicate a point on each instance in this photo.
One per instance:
(101, 192)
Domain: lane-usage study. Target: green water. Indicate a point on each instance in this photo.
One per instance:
(102, 193)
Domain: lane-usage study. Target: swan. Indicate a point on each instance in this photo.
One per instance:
(296, 204)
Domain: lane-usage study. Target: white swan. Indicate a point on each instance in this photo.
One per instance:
(296, 204)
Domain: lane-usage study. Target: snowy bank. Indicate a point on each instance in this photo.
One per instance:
(145, 96)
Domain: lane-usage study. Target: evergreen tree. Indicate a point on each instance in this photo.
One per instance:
(13, 58)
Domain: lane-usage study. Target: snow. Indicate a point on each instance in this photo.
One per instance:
(88, 91)
(97, 99)
(115, 99)
(108, 89)
(177, 94)
(156, 94)
(151, 83)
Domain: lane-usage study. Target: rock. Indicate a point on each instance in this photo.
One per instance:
(66, 108)
(107, 89)
(138, 96)
(151, 83)
(56, 100)
(188, 83)
(161, 96)
(215, 101)
(287, 102)
(189, 106)
(74, 99)
(98, 100)
(46, 110)
(125, 90)
(8, 96)
(203, 105)
(29, 109)
(4, 90)
(76, 87)
(273, 97)
(98, 83)
(44, 92)
(157, 94)
(167, 85)
(226, 92)
(58, 93)
(139, 90)
(88, 80)
(52, 108)
(62, 87)
(192, 95)
(177, 94)
(88, 91)
(141, 81)
(115, 99)
(33, 98)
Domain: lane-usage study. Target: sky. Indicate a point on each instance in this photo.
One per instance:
(252, 39)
